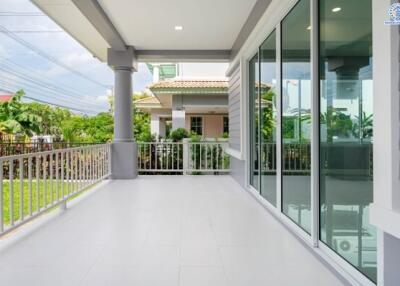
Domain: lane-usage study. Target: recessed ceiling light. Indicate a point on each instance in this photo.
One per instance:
(178, 28)
(336, 9)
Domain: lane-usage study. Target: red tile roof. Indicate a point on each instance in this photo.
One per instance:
(223, 84)
(5, 97)
(148, 100)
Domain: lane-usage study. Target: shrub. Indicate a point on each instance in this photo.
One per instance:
(178, 134)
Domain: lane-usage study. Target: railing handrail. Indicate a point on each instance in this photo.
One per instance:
(49, 152)
(183, 157)
(37, 182)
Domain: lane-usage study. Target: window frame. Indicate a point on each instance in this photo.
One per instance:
(198, 126)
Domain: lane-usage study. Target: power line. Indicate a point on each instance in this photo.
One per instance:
(43, 86)
(47, 56)
(34, 72)
(34, 32)
(24, 14)
(33, 78)
(32, 89)
(44, 101)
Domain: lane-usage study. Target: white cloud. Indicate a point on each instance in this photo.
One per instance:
(102, 99)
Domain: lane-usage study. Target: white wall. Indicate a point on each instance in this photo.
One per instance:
(202, 70)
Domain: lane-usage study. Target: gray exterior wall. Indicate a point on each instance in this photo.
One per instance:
(234, 110)
(179, 101)
(238, 167)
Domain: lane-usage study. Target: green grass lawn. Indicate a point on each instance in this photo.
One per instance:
(53, 192)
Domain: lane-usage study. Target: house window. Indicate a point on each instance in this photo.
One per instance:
(226, 125)
(196, 125)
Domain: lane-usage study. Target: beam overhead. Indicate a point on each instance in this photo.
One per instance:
(183, 55)
(92, 10)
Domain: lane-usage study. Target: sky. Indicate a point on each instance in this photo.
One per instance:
(36, 55)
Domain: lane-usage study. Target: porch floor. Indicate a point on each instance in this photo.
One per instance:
(163, 230)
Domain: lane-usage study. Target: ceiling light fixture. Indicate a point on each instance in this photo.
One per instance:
(178, 28)
(337, 9)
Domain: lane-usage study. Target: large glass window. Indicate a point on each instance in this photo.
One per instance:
(268, 114)
(253, 117)
(296, 115)
(346, 116)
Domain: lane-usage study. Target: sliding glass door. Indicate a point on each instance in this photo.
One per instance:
(345, 121)
(296, 115)
(346, 115)
(268, 114)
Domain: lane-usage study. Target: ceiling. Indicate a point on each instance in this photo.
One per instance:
(207, 24)
(150, 25)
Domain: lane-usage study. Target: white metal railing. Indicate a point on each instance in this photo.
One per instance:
(31, 184)
(183, 157)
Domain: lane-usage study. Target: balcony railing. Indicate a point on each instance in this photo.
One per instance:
(31, 184)
(17, 148)
(183, 157)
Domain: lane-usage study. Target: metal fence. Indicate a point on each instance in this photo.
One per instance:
(183, 157)
(34, 183)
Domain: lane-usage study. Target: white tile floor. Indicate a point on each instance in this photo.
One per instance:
(163, 230)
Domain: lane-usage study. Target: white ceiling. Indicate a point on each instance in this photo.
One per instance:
(149, 24)
(207, 24)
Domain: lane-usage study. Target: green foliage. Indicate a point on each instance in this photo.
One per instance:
(141, 128)
(338, 124)
(225, 135)
(100, 128)
(178, 134)
(17, 118)
(194, 137)
(93, 129)
(363, 128)
(27, 119)
(52, 118)
(288, 127)
(267, 113)
(72, 129)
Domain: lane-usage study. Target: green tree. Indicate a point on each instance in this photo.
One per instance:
(52, 117)
(100, 128)
(73, 129)
(141, 129)
(17, 118)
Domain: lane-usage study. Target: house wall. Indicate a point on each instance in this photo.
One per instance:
(157, 125)
(212, 124)
(238, 164)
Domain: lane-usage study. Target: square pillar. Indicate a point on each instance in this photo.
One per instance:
(178, 119)
(163, 127)
(155, 124)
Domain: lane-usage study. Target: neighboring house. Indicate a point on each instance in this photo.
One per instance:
(198, 105)
(5, 96)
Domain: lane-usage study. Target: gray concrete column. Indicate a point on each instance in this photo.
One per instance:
(123, 111)
(124, 149)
